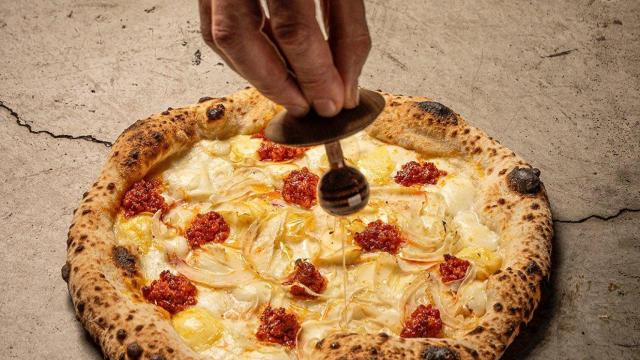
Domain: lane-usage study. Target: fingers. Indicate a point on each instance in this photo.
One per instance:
(350, 43)
(205, 30)
(235, 31)
(328, 81)
(295, 29)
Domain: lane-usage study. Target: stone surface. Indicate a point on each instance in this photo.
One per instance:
(589, 310)
(556, 81)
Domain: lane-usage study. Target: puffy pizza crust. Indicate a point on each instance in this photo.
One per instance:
(511, 201)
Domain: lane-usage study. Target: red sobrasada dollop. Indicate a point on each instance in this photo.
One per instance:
(173, 293)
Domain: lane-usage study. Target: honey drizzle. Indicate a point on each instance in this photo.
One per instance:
(338, 231)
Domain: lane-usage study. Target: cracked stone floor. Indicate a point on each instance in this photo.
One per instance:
(556, 81)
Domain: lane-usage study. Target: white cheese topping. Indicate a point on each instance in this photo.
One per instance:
(237, 279)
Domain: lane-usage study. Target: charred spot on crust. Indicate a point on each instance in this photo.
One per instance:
(157, 136)
(497, 307)
(510, 329)
(383, 337)
(319, 344)
(524, 180)
(132, 158)
(533, 268)
(522, 276)
(432, 352)
(134, 351)
(215, 112)
(66, 269)
(204, 98)
(101, 322)
(121, 334)
(478, 329)
(355, 348)
(124, 259)
(334, 345)
(439, 111)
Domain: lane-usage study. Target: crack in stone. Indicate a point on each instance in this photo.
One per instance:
(596, 216)
(627, 345)
(23, 123)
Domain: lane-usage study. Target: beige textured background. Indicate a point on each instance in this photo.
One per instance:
(556, 81)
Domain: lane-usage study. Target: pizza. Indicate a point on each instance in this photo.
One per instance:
(201, 239)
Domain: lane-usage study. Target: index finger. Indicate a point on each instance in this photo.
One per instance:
(298, 34)
(235, 27)
(350, 42)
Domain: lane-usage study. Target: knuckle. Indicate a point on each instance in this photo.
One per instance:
(272, 88)
(291, 32)
(360, 44)
(223, 36)
(363, 43)
(315, 78)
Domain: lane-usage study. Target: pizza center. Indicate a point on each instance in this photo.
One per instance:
(236, 251)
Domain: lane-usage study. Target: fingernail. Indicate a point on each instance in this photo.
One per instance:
(325, 107)
(297, 110)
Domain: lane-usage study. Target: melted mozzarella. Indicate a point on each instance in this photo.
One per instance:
(473, 233)
(197, 327)
(315, 159)
(135, 231)
(243, 148)
(196, 176)
(377, 165)
(458, 193)
(485, 261)
(153, 263)
(473, 297)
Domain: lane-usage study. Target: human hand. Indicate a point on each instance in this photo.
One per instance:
(267, 51)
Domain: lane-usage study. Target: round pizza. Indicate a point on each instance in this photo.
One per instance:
(201, 239)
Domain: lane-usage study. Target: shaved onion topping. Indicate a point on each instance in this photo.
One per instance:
(215, 280)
